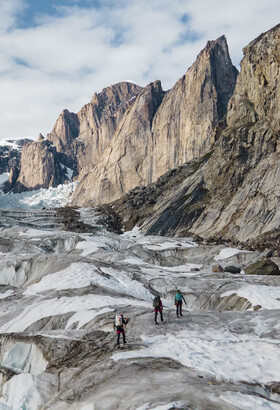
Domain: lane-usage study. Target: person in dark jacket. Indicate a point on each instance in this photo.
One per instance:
(121, 322)
(179, 298)
(158, 308)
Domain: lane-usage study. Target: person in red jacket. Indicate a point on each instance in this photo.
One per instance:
(157, 303)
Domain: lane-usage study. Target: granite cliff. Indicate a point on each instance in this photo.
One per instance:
(40, 167)
(163, 130)
(82, 138)
(233, 192)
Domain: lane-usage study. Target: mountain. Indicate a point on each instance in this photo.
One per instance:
(233, 192)
(122, 138)
(82, 138)
(163, 130)
(201, 158)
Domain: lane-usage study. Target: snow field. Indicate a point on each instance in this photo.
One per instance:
(266, 296)
(222, 354)
(246, 401)
(227, 253)
(52, 307)
(79, 275)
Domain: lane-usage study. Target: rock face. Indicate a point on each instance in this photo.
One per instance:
(263, 267)
(10, 154)
(234, 192)
(9, 158)
(122, 138)
(193, 107)
(83, 137)
(40, 167)
(125, 163)
(140, 150)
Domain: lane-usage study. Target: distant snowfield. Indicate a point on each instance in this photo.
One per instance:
(4, 143)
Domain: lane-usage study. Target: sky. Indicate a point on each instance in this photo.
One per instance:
(55, 54)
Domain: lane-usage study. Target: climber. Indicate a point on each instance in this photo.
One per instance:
(157, 304)
(179, 298)
(121, 323)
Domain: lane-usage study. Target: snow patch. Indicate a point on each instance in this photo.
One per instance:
(222, 354)
(266, 296)
(52, 307)
(7, 294)
(79, 275)
(246, 401)
(85, 316)
(227, 253)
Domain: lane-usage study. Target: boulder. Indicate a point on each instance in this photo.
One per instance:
(232, 269)
(217, 268)
(263, 267)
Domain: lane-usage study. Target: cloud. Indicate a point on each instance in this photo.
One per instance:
(60, 57)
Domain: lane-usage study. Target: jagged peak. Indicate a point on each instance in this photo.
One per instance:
(116, 88)
(264, 36)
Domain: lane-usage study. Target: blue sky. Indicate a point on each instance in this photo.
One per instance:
(55, 54)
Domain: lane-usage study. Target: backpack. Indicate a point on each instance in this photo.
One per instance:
(178, 297)
(118, 320)
(156, 302)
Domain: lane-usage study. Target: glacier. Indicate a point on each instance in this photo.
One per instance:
(61, 290)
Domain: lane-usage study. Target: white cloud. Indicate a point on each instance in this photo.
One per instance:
(62, 61)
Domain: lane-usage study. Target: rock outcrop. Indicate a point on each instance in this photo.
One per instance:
(40, 167)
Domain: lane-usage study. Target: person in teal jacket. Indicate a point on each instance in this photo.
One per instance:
(179, 298)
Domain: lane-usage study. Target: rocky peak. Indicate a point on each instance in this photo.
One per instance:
(112, 98)
(192, 108)
(234, 192)
(258, 92)
(126, 162)
(65, 131)
(40, 167)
